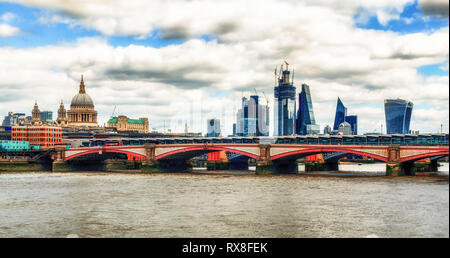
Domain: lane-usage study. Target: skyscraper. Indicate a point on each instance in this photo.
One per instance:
(252, 118)
(306, 122)
(284, 106)
(341, 112)
(398, 115)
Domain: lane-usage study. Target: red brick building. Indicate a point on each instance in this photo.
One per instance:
(43, 136)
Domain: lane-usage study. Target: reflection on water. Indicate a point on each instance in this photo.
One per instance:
(198, 205)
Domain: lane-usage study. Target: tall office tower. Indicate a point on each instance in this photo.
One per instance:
(341, 112)
(353, 121)
(213, 128)
(398, 115)
(306, 123)
(252, 118)
(284, 105)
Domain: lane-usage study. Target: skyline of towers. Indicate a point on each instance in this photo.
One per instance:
(398, 115)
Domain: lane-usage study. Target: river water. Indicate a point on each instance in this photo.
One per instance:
(90, 204)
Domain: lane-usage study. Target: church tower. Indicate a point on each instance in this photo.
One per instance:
(62, 117)
(36, 115)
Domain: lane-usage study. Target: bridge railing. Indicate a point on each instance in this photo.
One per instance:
(417, 140)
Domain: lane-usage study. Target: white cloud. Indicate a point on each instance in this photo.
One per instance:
(7, 30)
(8, 16)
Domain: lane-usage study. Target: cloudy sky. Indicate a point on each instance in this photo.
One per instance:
(183, 61)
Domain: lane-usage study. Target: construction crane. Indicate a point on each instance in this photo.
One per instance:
(267, 100)
(114, 111)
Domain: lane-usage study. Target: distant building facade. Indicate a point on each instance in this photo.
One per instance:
(327, 129)
(213, 127)
(123, 123)
(41, 135)
(46, 116)
(252, 118)
(15, 119)
(5, 133)
(345, 128)
(398, 115)
(284, 106)
(306, 122)
(353, 121)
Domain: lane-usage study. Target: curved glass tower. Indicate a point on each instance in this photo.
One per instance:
(398, 115)
(306, 123)
(284, 106)
(341, 112)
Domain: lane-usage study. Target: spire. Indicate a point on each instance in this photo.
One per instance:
(82, 88)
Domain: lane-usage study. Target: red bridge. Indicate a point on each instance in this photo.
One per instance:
(268, 157)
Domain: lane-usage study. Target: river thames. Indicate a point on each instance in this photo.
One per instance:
(233, 205)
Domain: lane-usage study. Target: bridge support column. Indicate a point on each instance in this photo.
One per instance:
(394, 167)
(149, 164)
(434, 165)
(264, 164)
(59, 165)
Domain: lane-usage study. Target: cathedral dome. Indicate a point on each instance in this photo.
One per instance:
(82, 99)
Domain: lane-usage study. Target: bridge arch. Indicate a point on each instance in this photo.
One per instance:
(195, 150)
(105, 150)
(306, 152)
(425, 155)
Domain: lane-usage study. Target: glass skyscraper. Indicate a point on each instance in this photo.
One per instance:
(398, 115)
(353, 121)
(341, 112)
(46, 116)
(284, 106)
(306, 122)
(252, 118)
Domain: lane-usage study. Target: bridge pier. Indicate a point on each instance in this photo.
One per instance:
(434, 165)
(264, 164)
(59, 164)
(149, 164)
